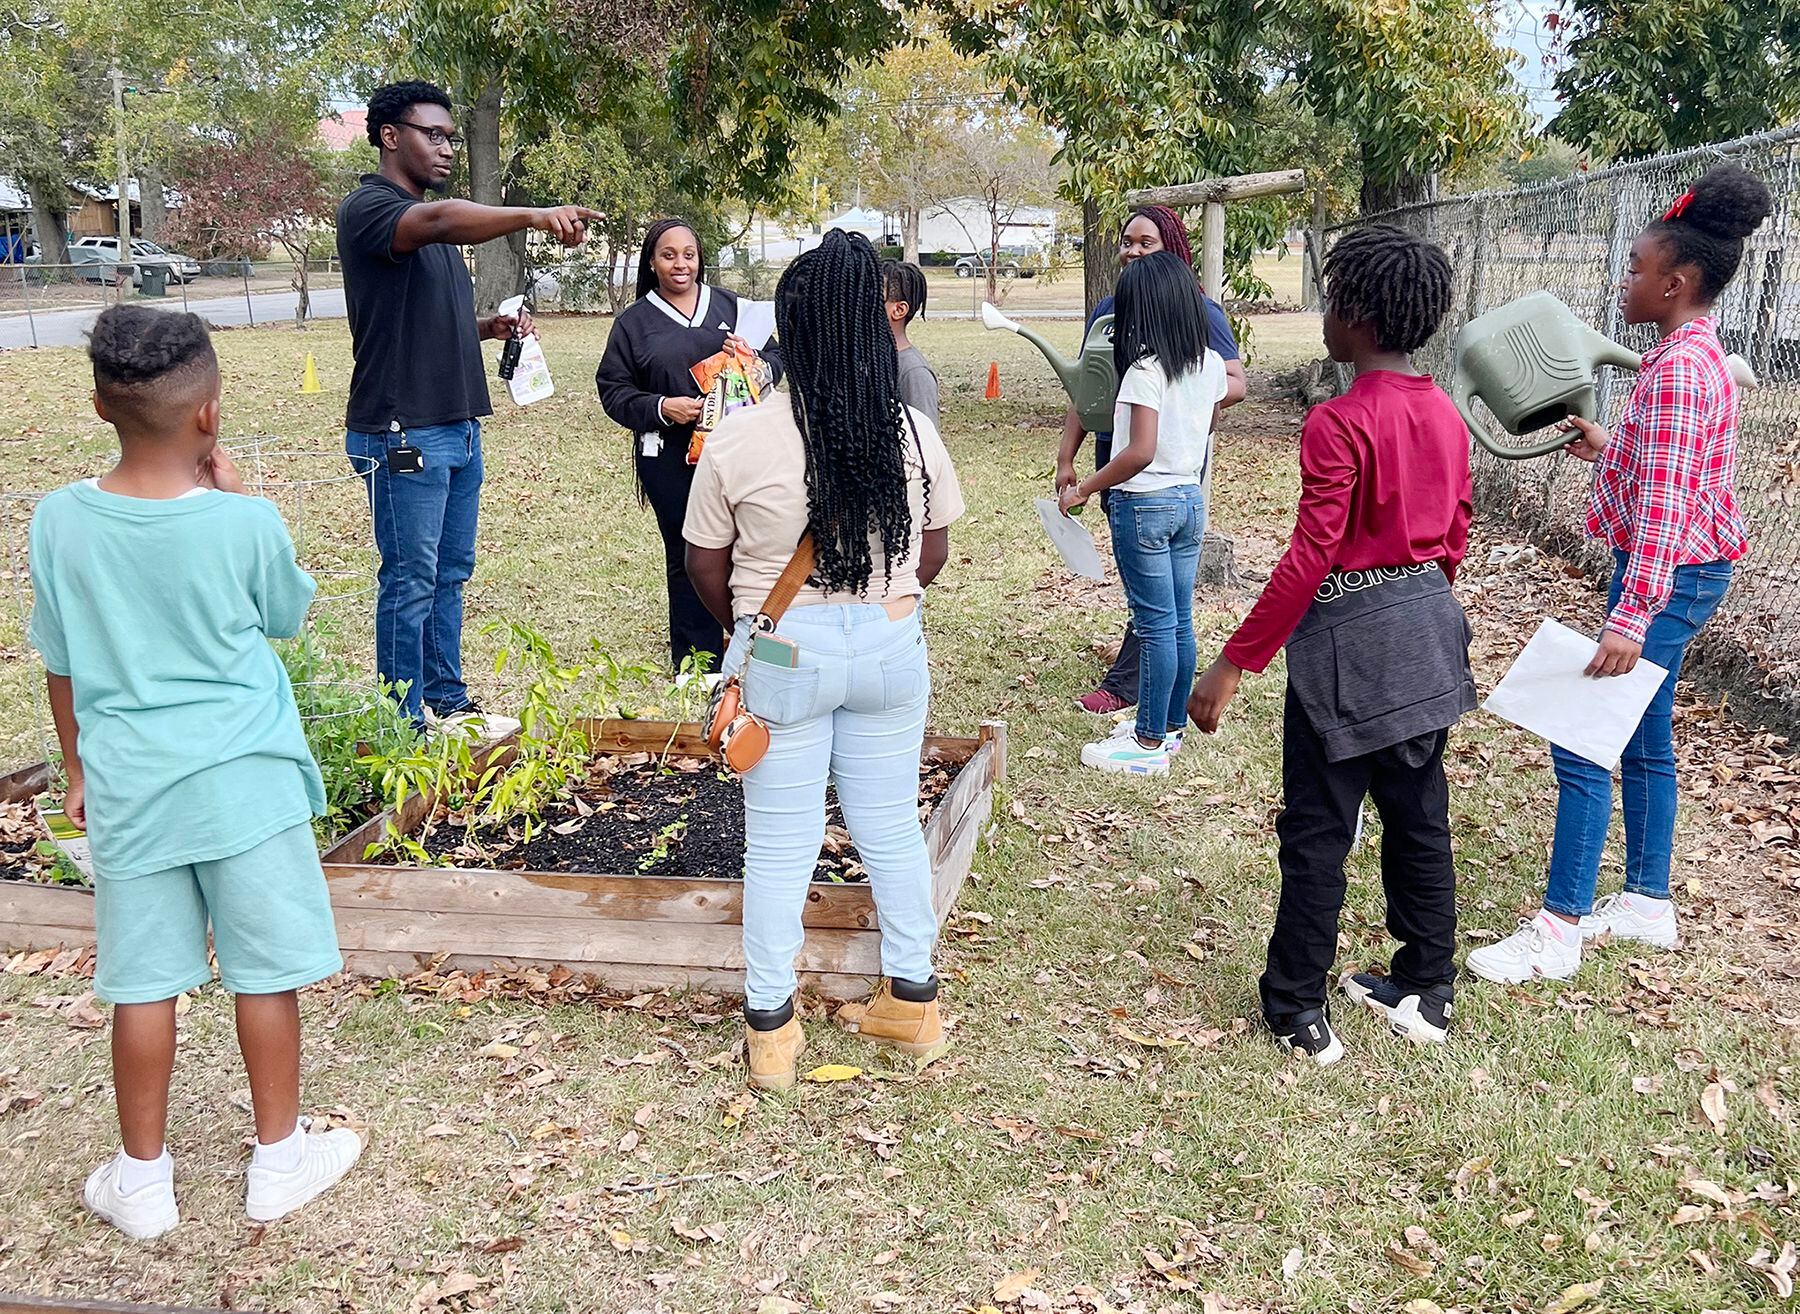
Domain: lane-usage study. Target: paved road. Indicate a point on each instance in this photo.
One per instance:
(64, 328)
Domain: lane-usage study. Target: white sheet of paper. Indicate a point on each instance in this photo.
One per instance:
(756, 322)
(1546, 693)
(1071, 539)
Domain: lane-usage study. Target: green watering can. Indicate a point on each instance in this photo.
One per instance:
(1532, 362)
(1090, 380)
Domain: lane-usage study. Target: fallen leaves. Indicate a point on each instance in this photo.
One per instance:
(1014, 1285)
(1712, 1105)
(830, 1072)
(1406, 1261)
(1777, 1270)
(1575, 1296)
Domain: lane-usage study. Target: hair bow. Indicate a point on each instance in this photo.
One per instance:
(1680, 207)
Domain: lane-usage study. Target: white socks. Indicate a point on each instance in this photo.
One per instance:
(283, 1156)
(135, 1174)
(1645, 905)
(1555, 928)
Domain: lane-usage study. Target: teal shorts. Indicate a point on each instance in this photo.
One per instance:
(270, 915)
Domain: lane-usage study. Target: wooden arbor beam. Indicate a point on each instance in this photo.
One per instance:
(1213, 193)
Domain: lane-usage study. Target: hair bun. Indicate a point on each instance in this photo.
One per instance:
(1729, 202)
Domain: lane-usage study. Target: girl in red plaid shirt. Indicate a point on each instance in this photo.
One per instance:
(1663, 500)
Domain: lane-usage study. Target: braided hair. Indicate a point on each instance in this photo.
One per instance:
(646, 279)
(1400, 281)
(389, 104)
(1707, 227)
(1170, 228)
(146, 361)
(843, 374)
(904, 281)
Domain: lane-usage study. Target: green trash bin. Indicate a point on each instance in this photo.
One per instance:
(155, 280)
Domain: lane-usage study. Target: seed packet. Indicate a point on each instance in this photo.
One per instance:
(728, 382)
(531, 377)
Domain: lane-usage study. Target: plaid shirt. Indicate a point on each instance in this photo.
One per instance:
(1663, 488)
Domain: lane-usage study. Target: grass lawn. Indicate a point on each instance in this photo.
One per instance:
(1109, 1133)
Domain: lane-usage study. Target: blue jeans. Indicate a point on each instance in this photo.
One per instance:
(425, 530)
(1647, 769)
(853, 712)
(1156, 543)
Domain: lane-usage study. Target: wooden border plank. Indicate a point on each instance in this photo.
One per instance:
(614, 978)
(568, 895)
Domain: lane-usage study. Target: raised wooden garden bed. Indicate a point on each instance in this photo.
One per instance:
(632, 932)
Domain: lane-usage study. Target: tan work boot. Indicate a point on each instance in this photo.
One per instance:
(774, 1056)
(912, 1027)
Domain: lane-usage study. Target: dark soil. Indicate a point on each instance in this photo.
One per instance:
(685, 821)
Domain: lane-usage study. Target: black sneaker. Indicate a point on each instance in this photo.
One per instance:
(1421, 1016)
(1308, 1033)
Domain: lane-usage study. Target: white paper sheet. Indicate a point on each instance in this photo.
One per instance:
(1546, 693)
(756, 322)
(1071, 539)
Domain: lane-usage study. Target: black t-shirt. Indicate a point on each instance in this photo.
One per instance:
(412, 320)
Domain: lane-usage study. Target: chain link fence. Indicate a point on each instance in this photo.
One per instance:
(1572, 238)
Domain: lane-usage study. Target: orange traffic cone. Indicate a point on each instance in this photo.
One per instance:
(993, 388)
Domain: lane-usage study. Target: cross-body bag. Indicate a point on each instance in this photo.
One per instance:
(735, 733)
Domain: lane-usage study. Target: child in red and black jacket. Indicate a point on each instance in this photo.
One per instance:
(1377, 650)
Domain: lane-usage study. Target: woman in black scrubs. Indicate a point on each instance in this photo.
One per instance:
(646, 384)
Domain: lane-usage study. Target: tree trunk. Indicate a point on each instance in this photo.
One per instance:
(50, 221)
(1099, 272)
(1380, 194)
(151, 212)
(496, 262)
(909, 233)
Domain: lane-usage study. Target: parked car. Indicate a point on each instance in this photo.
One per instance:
(1011, 265)
(91, 266)
(181, 267)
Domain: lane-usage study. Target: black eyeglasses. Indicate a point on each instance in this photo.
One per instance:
(436, 136)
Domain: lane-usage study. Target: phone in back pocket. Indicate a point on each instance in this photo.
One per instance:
(775, 650)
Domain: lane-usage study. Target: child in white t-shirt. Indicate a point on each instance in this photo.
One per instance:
(1170, 385)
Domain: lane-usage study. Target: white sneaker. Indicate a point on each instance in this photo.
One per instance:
(143, 1214)
(1128, 730)
(324, 1158)
(1125, 756)
(1634, 917)
(1545, 946)
(483, 727)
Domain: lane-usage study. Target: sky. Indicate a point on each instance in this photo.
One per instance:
(1522, 28)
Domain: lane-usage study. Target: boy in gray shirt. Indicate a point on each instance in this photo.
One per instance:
(903, 285)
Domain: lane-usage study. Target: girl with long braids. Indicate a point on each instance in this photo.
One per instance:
(1150, 229)
(837, 458)
(1664, 501)
(646, 384)
(1377, 651)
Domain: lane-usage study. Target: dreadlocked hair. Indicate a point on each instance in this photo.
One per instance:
(646, 279)
(1727, 205)
(1400, 281)
(390, 104)
(843, 374)
(904, 281)
(147, 363)
(1170, 228)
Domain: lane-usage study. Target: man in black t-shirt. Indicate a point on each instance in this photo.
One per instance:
(419, 387)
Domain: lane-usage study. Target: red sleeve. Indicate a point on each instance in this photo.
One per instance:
(1327, 478)
(1457, 541)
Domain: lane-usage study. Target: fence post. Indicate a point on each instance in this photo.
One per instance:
(1478, 264)
(250, 309)
(1312, 279)
(30, 319)
(1618, 250)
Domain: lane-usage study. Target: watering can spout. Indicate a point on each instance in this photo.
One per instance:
(1089, 380)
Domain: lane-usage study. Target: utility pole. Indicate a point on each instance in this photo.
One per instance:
(124, 179)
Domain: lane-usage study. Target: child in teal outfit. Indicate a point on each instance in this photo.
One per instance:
(157, 588)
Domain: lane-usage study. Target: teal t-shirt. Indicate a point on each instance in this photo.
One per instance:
(160, 613)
